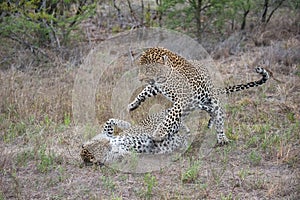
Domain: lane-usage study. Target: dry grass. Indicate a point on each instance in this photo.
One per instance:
(40, 157)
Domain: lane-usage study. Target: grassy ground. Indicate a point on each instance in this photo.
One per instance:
(40, 144)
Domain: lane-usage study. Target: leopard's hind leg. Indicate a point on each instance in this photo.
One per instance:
(217, 118)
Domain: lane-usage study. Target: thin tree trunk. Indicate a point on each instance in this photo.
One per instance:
(246, 12)
(264, 15)
(272, 12)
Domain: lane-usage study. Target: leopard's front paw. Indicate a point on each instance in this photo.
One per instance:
(221, 143)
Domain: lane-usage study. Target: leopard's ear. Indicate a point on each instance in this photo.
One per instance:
(165, 59)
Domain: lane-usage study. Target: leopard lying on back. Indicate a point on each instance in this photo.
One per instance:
(106, 147)
(188, 85)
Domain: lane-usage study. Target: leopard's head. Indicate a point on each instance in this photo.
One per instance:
(157, 64)
(96, 151)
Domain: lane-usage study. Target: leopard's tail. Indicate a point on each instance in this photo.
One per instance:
(235, 88)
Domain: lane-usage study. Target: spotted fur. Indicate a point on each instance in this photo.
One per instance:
(106, 147)
(188, 85)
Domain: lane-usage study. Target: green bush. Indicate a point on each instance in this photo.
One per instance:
(36, 24)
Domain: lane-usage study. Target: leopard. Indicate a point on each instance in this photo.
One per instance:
(107, 148)
(189, 86)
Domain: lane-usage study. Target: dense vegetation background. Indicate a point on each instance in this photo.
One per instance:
(63, 30)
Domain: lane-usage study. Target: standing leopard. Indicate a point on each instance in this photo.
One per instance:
(187, 84)
(106, 148)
